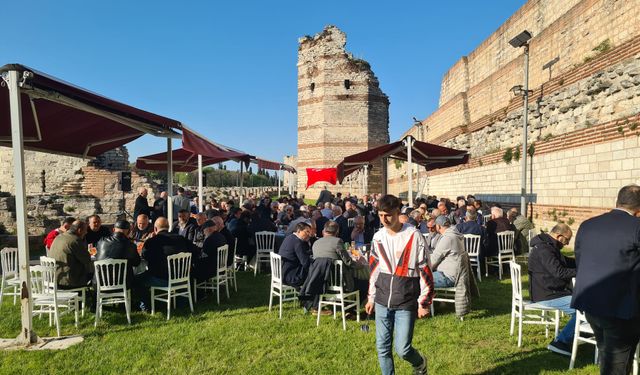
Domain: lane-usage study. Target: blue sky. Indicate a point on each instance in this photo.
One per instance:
(228, 69)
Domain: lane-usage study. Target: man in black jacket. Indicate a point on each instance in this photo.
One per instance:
(142, 205)
(207, 265)
(119, 246)
(608, 281)
(95, 230)
(186, 226)
(157, 249)
(550, 275)
(296, 255)
(325, 196)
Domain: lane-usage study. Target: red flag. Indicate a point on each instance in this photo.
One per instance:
(321, 174)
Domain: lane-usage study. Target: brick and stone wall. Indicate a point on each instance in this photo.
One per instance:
(62, 174)
(341, 108)
(585, 136)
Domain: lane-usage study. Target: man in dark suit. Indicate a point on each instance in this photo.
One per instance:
(296, 255)
(142, 204)
(325, 196)
(155, 252)
(607, 284)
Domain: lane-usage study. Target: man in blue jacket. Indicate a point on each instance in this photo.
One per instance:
(608, 281)
(296, 255)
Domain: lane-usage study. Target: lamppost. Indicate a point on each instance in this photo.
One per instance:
(522, 40)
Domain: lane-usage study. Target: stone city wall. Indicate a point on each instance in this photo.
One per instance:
(586, 144)
(569, 30)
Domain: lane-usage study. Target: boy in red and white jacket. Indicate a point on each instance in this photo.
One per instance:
(400, 287)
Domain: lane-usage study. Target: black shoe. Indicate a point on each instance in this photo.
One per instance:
(560, 348)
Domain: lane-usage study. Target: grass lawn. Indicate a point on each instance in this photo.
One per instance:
(243, 337)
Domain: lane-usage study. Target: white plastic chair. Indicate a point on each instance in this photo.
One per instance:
(46, 299)
(486, 218)
(82, 291)
(582, 327)
(505, 252)
(231, 270)
(111, 286)
(179, 283)
(472, 245)
(221, 277)
(265, 244)
(278, 289)
(336, 296)
(447, 295)
(519, 308)
(10, 277)
(351, 222)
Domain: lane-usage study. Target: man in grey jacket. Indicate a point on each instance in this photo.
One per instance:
(445, 260)
(180, 202)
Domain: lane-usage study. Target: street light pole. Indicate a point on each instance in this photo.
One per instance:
(523, 181)
(522, 40)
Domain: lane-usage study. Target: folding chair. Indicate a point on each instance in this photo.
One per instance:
(220, 278)
(505, 252)
(265, 243)
(519, 308)
(231, 270)
(10, 276)
(179, 283)
(351, 222)
(278, 289)
(46, 299)
(82, 291)
(336, 296)
(472, 245)
(111, 286)
(582, 327)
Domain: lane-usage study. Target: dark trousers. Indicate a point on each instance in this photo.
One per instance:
(617, 341)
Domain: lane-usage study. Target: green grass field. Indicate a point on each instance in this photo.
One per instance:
(242, 337)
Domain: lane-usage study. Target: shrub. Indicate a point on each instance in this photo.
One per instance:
(508, 155)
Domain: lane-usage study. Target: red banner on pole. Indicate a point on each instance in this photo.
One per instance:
(321, 174)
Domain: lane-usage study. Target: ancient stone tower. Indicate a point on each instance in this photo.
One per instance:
(341, 110)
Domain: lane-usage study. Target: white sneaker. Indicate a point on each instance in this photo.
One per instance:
(422, 369)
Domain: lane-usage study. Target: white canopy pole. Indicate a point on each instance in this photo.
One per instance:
(279, 182)
(241, 182)
(366, 179)
(409, 143)
(200, 196)
(170, 183)
(27, 335)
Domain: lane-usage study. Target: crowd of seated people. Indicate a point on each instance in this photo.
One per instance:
(335, 219)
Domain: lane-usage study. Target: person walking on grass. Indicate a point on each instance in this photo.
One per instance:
(400, 287)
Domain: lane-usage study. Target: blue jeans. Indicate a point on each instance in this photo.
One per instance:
(402, 321)
(441, 281)
(563, 304)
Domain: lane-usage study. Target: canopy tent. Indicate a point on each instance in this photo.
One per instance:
(40, 112)
(55, 114)
(196, 152)
(408, 149)
(275, 166)
(183, 161)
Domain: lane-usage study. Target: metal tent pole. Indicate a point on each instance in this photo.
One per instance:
(200, 196)
(170, 183)
(523, 180)
(241, 182)
(279, 183)
(409, 143)
(366, 179)
(27, 335)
